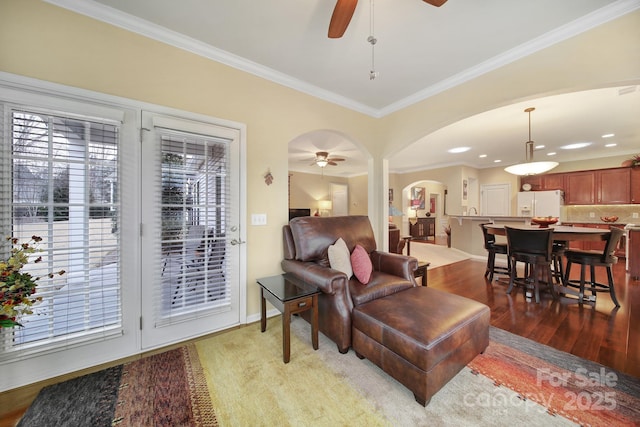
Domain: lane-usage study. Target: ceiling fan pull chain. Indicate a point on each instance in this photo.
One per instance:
(372, 40)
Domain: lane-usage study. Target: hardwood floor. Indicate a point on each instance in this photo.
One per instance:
(600, 332)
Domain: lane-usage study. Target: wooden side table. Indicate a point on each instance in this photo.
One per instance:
(289, 295)
(422, 271)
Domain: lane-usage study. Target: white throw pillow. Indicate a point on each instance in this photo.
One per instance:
(340, 258)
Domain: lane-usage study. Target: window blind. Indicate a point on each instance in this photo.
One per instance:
(62, 186)
(193, 212)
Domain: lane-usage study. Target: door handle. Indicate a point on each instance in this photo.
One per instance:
(235, 242)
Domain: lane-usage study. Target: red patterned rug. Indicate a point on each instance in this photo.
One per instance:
(582, 391)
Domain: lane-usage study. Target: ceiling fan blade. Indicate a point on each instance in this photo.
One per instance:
(332, 163)
(336, 159)
(436, 3)
(341, 17)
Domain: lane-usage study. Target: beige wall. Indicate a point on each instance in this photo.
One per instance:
(358, 196)
(45, 42)
(306, 189)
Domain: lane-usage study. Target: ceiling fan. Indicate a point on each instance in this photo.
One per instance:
(322, 159)
(343, 12)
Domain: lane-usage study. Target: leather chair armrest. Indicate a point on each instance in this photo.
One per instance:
(328, 280)
(395, 264)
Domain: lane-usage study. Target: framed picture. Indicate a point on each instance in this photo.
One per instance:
(417, 197)
(432, 203)
(390, 195)
(465, 184)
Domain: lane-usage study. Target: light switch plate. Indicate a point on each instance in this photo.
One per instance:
(258, 219)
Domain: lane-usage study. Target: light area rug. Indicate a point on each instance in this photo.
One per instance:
(250, 385)
(436, 255)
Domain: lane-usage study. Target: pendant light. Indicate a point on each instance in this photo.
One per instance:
(529, 167)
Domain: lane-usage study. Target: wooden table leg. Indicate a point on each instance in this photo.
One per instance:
(286, 331)
(263, 311)
(408, 246)
(314, 323)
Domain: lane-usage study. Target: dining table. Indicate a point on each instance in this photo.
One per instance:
(560, 233)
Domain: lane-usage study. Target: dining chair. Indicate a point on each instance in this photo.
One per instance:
(593, 259)
(557, 254)
(493, 248)
(534, 248)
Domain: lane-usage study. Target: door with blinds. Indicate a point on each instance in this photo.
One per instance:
(190, 229)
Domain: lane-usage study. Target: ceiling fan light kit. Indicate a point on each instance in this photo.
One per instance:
(323, 160)
(529, 167)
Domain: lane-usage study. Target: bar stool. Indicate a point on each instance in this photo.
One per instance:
(534, 248)
(593, 259)
(493, 248)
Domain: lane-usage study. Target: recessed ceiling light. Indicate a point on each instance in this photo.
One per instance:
(539, 147)
(575, 146)
(497, 161)
(482, 156)
(613, 144)
(609, 135)
(459, 149)
(553, 153)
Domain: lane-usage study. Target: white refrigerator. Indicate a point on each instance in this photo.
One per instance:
(540, 203)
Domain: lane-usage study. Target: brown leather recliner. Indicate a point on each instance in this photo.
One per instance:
(306, 241)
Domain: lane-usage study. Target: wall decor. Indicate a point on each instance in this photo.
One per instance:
(417, 193)
(268, 178)
(432, 203)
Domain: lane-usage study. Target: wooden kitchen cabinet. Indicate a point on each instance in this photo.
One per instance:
(535, 181)
(634, 252)
(613, 186)
(580, 188)
(552, 181)
(424, 228)
(598, 187)
(635, 185)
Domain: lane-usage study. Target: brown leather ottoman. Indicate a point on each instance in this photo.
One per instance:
(422, 337)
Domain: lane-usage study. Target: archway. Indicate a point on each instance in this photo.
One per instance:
(424, 199)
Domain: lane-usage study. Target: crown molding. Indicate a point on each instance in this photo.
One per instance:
(136, 25)
(571, 29)
(153, 31)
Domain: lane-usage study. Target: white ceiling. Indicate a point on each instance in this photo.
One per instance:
(421, 51)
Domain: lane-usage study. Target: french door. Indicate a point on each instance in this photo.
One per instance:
(190, 229)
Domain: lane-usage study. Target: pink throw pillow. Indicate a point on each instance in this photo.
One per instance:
(361, 264)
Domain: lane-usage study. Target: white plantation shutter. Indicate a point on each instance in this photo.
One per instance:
(60, 181)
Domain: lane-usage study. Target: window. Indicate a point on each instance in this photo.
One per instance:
(62, 185)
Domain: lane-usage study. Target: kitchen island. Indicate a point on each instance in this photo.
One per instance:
(466, 234)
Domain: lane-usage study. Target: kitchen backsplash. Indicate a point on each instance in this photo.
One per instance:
(592, 213)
